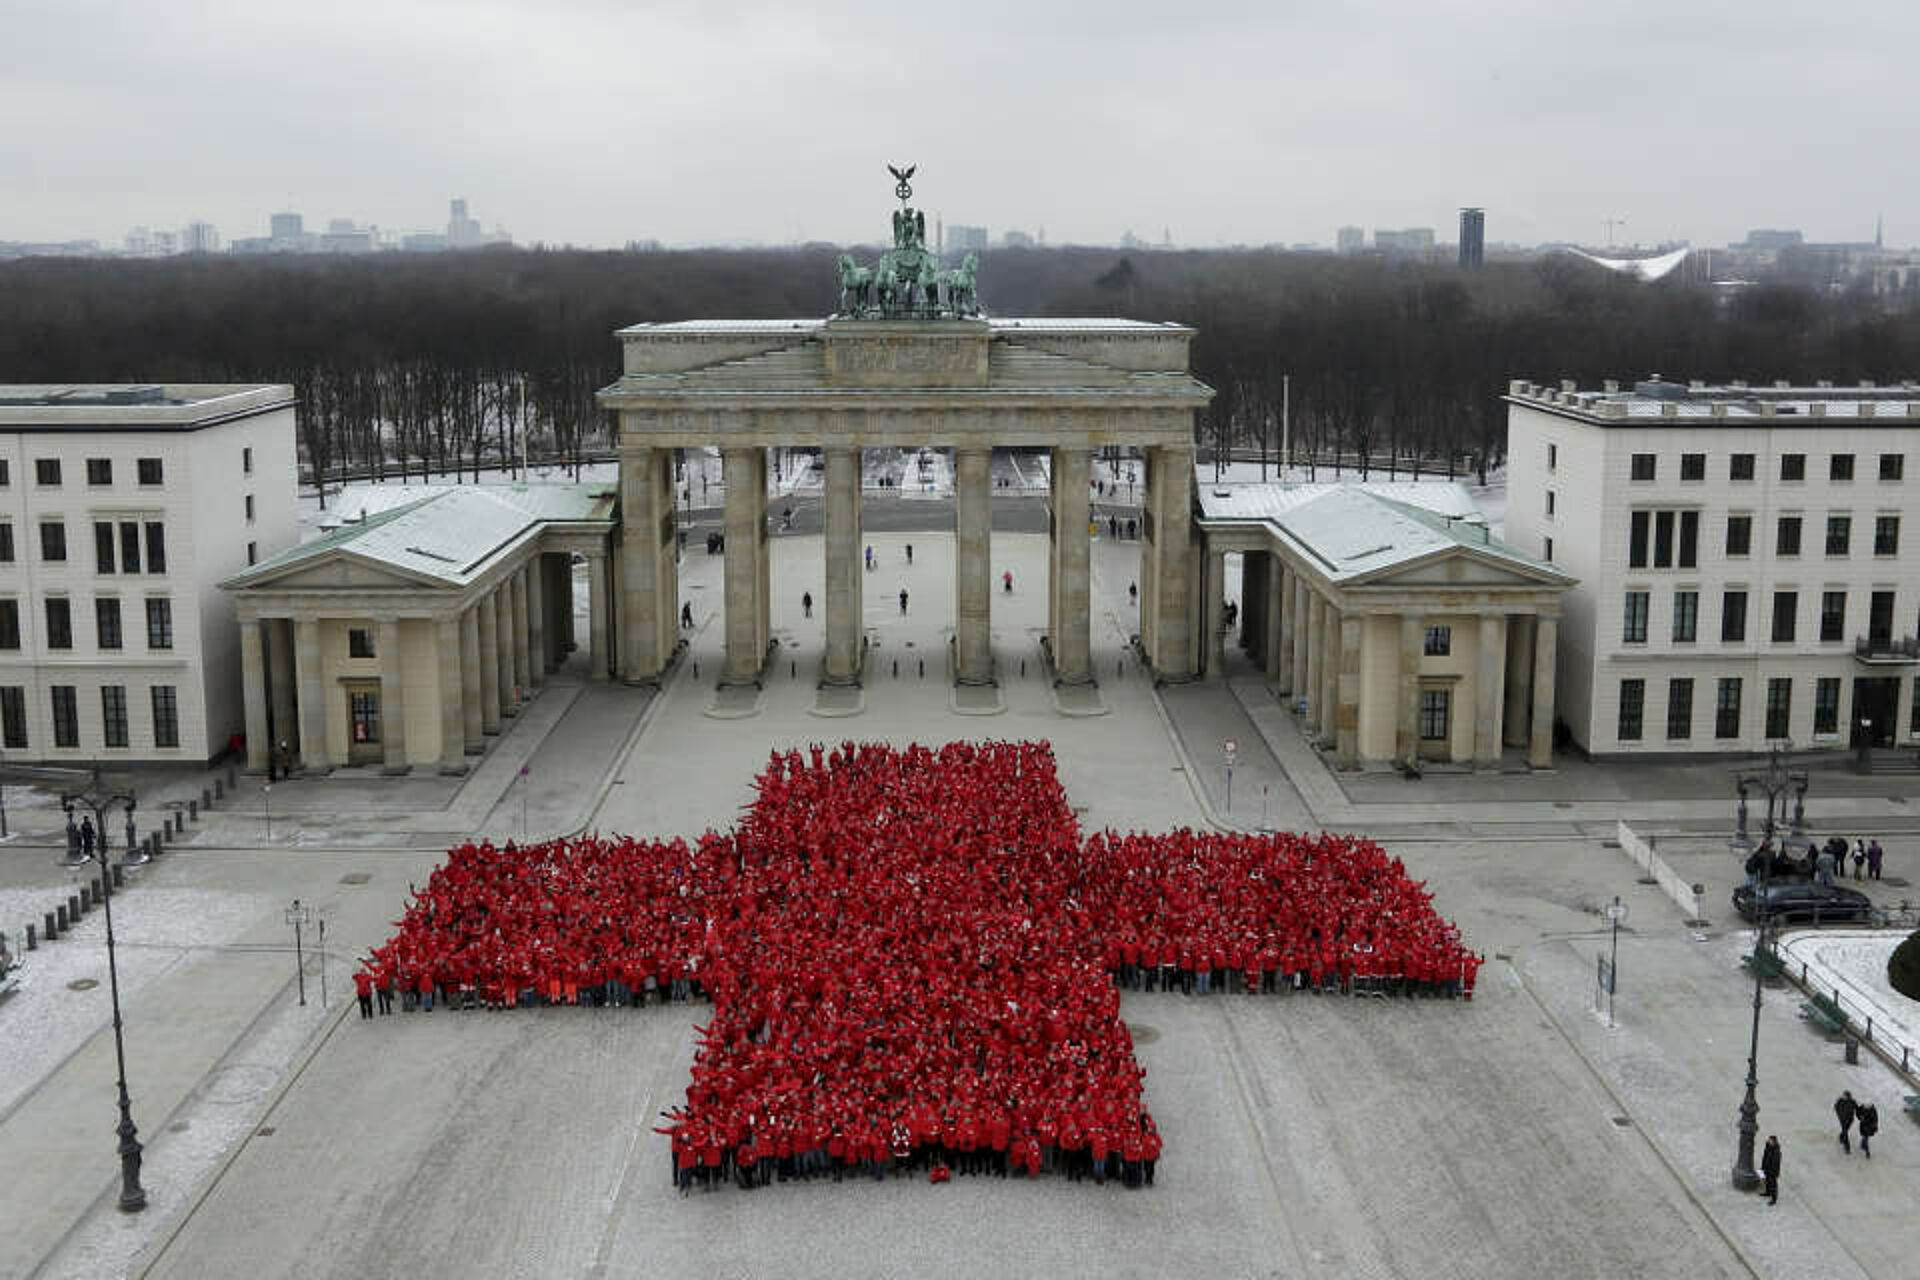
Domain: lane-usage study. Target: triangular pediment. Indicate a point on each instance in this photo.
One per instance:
(1463, 567)
(341, 571)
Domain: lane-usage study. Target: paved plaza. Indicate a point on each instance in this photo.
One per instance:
(1515, 1136)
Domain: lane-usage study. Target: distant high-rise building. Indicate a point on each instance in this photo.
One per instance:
(200, 237)
(966, 239)
(1413, 240)
(1017, 240)
(139, 242)
(1350, 239)
(1772, 241)
(1473, 237)
(285, 226)
(340, 226)
(462, 231)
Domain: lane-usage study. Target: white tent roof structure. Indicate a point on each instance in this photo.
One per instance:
(1647, 269)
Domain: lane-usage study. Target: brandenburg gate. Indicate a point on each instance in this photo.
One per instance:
(909, 360)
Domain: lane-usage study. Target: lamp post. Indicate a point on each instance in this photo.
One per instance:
(1776, 780)
(99, 799)
(297, 915)
(1616, 912)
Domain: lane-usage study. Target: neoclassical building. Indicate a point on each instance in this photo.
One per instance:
(405, 638)
(1386, 616)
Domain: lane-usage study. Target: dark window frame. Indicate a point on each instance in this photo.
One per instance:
(1786, 536)
(13, 717)
(107, 630)
(1686, 616)
(1733, 620)
(1631, 715)
(1893, 466)
(1744, 523)
(1726, 708)
(1826, 705)
(1633, 621)
(65, 700)
(1679, 708)
(59, 620)
(166, 715)
(1643, 467)
(1779, 707)
(1839, 467)
(1693, 466)
(1886, 535)
(99, 473)
(159, 622)
(1786, 615)
(1833, 617)
(1740, 467)
(1793, 467)
(114, 731)
(151, 472)
(1839, 535)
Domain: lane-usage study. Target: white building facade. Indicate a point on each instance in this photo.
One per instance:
(121, 509)
(1739, 557)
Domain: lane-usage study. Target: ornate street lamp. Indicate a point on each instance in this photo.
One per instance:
(1779, 836)
(99, 798)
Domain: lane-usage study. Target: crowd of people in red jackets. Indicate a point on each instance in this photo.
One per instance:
(914, 958)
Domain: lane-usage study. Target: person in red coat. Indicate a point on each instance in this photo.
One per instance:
(363, 987)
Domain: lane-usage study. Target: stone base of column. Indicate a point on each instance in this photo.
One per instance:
(658, 679)
(755, 681)
(454, 770)
(479, 749)
(313, 770)
(395, 770)
(1084, 680)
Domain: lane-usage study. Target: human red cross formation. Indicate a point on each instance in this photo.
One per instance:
(915, 957)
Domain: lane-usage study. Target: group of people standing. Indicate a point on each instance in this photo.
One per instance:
(912, 957)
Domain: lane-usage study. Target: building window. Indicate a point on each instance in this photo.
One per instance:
(1638, 525)
(1833, 616)
(1726, 708)
(253, 552)
(1693, 466)
(1786, 541)
(66, 716)
(1549, 502)
(1435, 708)
(103, 547)
(1679, 710)
(250, 507)
(160, 623)
(1779, 707)
(1643, 467)
(106, 621)
(59, 622)
(1793, 466)
(156, 547)
(1785, 605)
(99, 471)
(1826, 704)
(113, 714)
(1547, 556)
(246, 460)
(1893, 466)
(6, 473)
(13, 717)
(9, 624)
(1840, 466)
(1733, 617)
(53, 540)
(1663, 539)
(166, 717)
(1913, 714)
(360, 642)
(1886, 535)
(6, 542)
(151, 471)
(46, 472)
(363, 711)
(1739, 535)
(130, 546)
(1634, 626)
(1839, 534)
(1689, 539)
(1633, 701)
(1686, 616)
(1880, 621)
(1740, 467)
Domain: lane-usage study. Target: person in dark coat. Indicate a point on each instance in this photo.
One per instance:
(1844, 1107)
(86, 836)
(1869, 1117)
(1770, 1169)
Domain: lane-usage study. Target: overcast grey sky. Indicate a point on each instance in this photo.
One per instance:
(600, 121)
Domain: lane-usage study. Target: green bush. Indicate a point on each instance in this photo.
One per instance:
(1903, 967)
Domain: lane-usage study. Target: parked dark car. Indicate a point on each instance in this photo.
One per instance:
(1798, 901)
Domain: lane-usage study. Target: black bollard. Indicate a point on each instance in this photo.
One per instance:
(1120, 667)
(60, 913)
(50, 931)
(193, 810)
(86, 897)
(33, 943)
(206, 797)
(793, 669)
(1023, 668)
(74, 910)
(230, 778)
(923, 668)
(696, 671)
(119, 874)
(219, 789)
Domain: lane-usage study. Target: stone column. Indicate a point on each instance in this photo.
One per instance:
(504, 643)
(1490, 671)
(845, 623)
(472, 701)
(563, 570)
(1346, 719)
(597, 615)
(393, 699)
(313, 701)
(283, 721)
(1329, 641)
(1299, 630)
(487, 625)
(1315, 661)
(253, 693)
(1519, 678)
(522, 633)
(649, 551)
(1170, 511)
(1213, 612)
(1277, 596)
(746, 527)
(973, 565)
(1073, 596)
(1413, 646)
(1546, 637)
(453, 733)
(538, 607)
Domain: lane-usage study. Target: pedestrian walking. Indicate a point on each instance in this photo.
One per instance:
(806, 604)
(869, 559)
(1869, 1117)
(1133, 593)
(1770, 1168)
(86, 836)
(1859, 858)
(909, 553)
(1845, 1108)
(686, 616)
(1006, 582)
(1823, 867)
(1133, 527)
(903, 602)
(1113, 526)
(384, 990)
(363, 988)
(1875, 855)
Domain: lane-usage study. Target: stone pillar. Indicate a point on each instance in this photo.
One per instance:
(1299, 630)
(1213, 612)
(1519, 678)
(649, 553)
(1489, 672)
(1315, 661)
(283, 721)
(313, 700)
(452, 693)
(1546, 636)
(1328, 638)
(845, 576)
(1276, 596)
(253, 693)
(563, 571)
(1072, 591)
(503, 642)
(538, 608)
(1346, 721)
(522, 634)
(597, 616)
(1169, 631)
(1413, 646)
(393, 699)
(973, 565)
(746, 533)
(487, 624)
(472, 702)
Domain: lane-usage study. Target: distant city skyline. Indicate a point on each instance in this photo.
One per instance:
(1240, 123)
